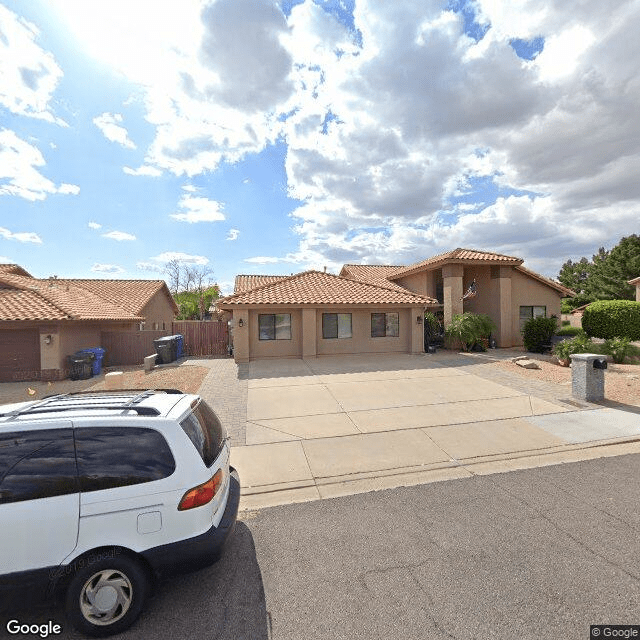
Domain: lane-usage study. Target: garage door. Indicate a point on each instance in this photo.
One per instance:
(19, 355)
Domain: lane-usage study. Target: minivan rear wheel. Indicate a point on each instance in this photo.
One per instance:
(106, 596)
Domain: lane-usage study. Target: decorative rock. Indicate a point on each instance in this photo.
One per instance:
(519, 358)
(114, 380)
(525, 363)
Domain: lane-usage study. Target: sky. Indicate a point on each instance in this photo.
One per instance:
(271, 137)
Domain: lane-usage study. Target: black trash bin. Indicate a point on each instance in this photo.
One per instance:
(81, 365)
(166, 349)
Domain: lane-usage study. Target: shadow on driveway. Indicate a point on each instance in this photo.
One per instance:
(225, 601)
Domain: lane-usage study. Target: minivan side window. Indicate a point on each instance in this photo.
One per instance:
(37, 464)
(205, 432)
(111, 457)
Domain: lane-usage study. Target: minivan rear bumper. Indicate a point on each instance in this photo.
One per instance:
(202, 550)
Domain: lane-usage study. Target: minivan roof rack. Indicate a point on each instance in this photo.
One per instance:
(49, 403)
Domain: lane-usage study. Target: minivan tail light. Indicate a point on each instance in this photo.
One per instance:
(202, 494)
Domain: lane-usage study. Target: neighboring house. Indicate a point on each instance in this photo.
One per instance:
(636, 282)
(42, 321)
(304, 308)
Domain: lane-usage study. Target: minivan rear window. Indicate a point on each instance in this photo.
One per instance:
(205, 431)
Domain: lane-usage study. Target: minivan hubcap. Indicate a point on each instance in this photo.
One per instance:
(106, 597)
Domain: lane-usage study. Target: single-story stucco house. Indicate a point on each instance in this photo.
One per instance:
(380, 308)
(636, 282)
(42, 321)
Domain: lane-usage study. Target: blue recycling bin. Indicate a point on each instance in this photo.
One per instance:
(98, 353)
(178, 342)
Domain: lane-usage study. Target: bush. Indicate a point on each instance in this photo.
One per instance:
(537, 332)
(612, 319)
(618, 348)
(579, 344)
(569, 331)
(470, 329)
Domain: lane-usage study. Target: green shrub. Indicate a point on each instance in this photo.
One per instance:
(579, 344)
(537, 332)
(569, 331)
(470, 329)
(618, 348)
(612, 319)
(566, 323)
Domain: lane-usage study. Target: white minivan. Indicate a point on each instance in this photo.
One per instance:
(104, 493)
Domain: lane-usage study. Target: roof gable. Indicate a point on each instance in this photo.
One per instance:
(457, 256)
(315, 287)
(247, 282)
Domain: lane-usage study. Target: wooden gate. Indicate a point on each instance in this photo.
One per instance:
(129, 347)
(203, 338)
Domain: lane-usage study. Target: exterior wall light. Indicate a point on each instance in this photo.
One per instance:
(419, 320)
(241, 322)
(48, 339)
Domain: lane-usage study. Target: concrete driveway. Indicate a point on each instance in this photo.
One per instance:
(344, 424)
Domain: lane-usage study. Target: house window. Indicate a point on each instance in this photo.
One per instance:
(531, 312)
(336, 325)
(385, 325)
(274, 326)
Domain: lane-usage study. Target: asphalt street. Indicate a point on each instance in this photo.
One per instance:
(541, 553)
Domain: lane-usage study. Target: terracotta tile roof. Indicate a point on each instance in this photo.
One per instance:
(314, 287)
(460, 256)
(371, 273)
(72, 302)
(634, 281)
(17, 304)
(14, 269)
(247, 282)
(131, 295)
(565, 291)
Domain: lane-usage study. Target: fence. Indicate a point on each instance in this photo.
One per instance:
(203, 338)
(129, 347)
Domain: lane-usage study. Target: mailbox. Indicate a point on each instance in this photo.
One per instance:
(600, 363)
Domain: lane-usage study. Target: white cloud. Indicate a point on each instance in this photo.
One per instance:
(19, 175)
(112, 129)
(20, 236)
(4, 260)
(149, 266)
(144, 170)
(94, 225)
(106, 268)
(383, 137)
(264, 260)
(181, 257)
(118, 235)
(197, 209)
(233, 234)
(29, 74)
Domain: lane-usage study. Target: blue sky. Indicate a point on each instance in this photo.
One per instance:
(254, 136)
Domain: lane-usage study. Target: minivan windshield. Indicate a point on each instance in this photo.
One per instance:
(205, 431)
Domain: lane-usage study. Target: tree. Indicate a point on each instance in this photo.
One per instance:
(193, 305)
(612, 272)
(605, 276)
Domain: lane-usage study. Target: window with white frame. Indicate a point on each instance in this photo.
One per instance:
(336, 325)
(274, 326)
(385, 325)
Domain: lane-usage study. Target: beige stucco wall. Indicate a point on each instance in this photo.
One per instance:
(362, 342)
(416, 282)
(638, 292)
(306, 333)
(275, 348)
(158, 312)
(526, 291)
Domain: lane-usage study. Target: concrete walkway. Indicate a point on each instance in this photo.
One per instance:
(339, 425)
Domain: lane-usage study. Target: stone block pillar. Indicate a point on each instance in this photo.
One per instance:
(452, 291)
(587, 380)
